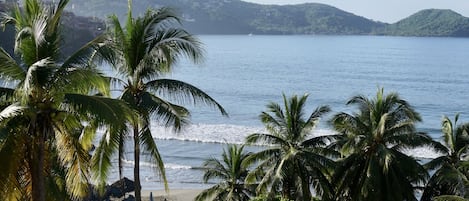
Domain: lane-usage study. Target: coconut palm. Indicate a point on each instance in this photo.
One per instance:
(143, 51)
(47, 117)
(373, 140)
(452, 168)
(231, 172)
(294, 160)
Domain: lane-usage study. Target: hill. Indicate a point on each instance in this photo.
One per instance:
(239, 17)
(431, 22)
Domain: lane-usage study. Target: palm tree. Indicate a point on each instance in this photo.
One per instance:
(452, 168)
(372, 141)
(143, 51)
(293, 161)
(231, 172)
(47, 118)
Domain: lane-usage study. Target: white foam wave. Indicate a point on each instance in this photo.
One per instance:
(214, 133)
(171, 166)
(236, 134)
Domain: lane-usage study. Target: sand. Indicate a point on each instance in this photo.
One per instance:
(174, 194)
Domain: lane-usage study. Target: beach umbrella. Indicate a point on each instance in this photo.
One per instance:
(120, 187)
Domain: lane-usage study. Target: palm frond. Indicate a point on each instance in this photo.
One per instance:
(210, 194)
(447, 129)
(101, 159)
(12, 110)
(55, 18)
(12, 149)
(265, 138)
(183, 92)
(150, 146)
(80, 81)
(170, 114)
(95, 50)
(171, 43)
(10, 69)
(75, 158)
(106, 111)
(38, 77)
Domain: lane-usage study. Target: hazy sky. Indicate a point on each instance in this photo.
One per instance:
(383, 10)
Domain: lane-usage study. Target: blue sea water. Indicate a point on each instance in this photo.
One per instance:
(244, 73)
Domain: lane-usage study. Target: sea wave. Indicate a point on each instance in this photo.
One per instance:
(236, 134)
(171, 166)
(216, 133)
(210, 133)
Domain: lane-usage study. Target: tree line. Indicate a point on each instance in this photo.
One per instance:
(364, 160)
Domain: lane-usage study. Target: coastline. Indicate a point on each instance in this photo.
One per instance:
(173, 195)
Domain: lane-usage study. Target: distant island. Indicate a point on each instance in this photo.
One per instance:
(239, 17)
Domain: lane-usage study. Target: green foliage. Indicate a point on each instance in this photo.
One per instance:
(141, 52)
(49, 117)
(452, 168)
(231, 170)
(431, 22)
(372, 141)
(75, 32)
(294, 160)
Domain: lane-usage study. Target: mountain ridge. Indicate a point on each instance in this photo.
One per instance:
(239, 17)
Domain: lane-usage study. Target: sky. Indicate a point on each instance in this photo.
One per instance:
(389, 11)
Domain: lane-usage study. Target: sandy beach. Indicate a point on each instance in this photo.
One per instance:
(174, 194)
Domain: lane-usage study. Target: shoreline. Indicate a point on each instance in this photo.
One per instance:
(174, 194)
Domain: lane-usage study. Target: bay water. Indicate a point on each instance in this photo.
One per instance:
(244, 73)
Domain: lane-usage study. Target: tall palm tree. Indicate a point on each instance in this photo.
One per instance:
(47, 117)
(231, 172)
(452, 168)
(372, 141)
(294, 160)
(144, 50)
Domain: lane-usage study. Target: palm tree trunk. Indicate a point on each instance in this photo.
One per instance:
(121, 157)
(138, 187)
(37, 169)
(306, 191)
(286, 189)
(305, 185)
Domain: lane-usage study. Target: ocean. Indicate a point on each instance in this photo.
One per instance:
(244, 73)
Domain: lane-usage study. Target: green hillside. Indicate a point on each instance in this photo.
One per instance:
(431, 22)
(238, 17)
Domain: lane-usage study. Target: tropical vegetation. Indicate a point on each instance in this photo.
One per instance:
(230, 171)
(141, 53)
(48, 111)
(372, 141)
(295, 161)
(51, 108)
(452, 168)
